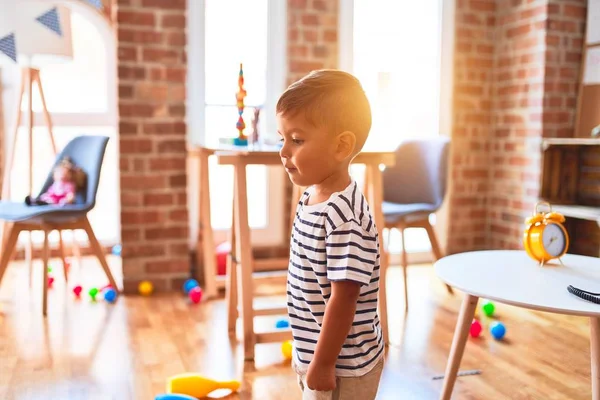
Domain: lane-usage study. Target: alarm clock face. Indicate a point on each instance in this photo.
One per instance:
(554, 240)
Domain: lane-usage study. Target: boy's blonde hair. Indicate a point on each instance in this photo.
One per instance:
(330, 99)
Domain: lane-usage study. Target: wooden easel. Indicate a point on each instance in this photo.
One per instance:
(29, 76)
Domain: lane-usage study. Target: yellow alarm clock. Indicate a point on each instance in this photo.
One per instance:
(545, 237)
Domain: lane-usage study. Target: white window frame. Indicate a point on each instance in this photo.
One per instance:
(273, 233)
(346, 56)
(11, 78)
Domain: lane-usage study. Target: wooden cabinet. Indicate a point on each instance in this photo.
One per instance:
(570, 181)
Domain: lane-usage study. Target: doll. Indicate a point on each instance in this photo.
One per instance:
(68, 178)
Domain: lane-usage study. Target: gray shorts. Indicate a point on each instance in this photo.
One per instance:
(346, 388)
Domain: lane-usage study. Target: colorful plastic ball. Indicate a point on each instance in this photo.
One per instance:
(93, 293)
(286, 349)
(50, 281)
(116, 250)
(498, 330)
(476, 328)
(110, 295)
(282, 323)
(174, 396)
(488, 308)
(145, 288)
(189, 285)
(195, 295)
(77, 290)
(222, 252)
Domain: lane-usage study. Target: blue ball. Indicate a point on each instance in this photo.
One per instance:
(116, 250)
(498, 330)
(189, 285)
(110, 295)
(174, 396)
(282, 323)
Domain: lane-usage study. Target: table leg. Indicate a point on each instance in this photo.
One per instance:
(375, 199)
(243, 253)
(461, 333)
(232, 276)
(206, 246)
(595, 355)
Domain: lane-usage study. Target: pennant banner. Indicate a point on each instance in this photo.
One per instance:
(95, 3)
(51, 21)
(7, 46)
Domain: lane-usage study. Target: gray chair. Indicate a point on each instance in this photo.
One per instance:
(87, 152)
(414, 188)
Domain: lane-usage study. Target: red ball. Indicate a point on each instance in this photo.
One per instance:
(222, 251)
(195, 295)
(50, 281)
(77, 290)
(476, 328)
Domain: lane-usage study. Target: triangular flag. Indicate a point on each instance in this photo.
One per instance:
(7, 46)
(50, 20)
(95, 3)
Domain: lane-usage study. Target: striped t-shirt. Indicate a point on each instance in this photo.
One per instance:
(333, 241)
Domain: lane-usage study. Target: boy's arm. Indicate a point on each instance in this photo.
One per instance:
(337, 321)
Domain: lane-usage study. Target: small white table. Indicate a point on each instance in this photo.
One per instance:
(511, 277)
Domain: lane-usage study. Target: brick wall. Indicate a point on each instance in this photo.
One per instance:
(151, 74)
(532, 52)
(565, 28)
(472, 118)
(312, 36)
(312, 44)
(517, 123)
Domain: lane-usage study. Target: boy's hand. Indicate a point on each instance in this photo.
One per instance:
(320, 377)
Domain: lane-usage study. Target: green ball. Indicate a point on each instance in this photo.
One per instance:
(488, 308)
(93, 292)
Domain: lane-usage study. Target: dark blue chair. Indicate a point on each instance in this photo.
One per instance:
(87, 152)
(414, 188)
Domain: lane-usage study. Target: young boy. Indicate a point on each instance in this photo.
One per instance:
(333, 276)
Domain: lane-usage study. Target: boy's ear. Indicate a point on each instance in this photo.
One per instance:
(346, 144)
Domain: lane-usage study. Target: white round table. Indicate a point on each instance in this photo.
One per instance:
(511, 277)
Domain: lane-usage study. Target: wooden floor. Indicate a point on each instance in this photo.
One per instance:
(99, 351)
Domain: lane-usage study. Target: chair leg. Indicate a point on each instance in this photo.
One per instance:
(63, 256)
(11, 235)
(97, 249)
(45, 256)
(404, 268)
(29, 256)
(435, 247)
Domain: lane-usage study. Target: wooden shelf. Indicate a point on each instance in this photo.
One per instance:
(570, 142)
(579, 212)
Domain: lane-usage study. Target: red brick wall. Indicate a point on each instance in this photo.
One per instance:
(565, 27)
(535, 52)
(312, 44)
(517, 124)
(472, 119)
(151, 73)
(312, 36)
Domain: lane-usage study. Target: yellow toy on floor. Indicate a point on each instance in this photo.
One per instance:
(197, 385)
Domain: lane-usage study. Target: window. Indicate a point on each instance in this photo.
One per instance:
(394, 48)
(81, 98)
(223, 34)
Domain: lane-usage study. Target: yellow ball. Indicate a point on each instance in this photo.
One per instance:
(286, 349)
(145, 288)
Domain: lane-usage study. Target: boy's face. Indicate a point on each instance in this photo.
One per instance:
(309, 154)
